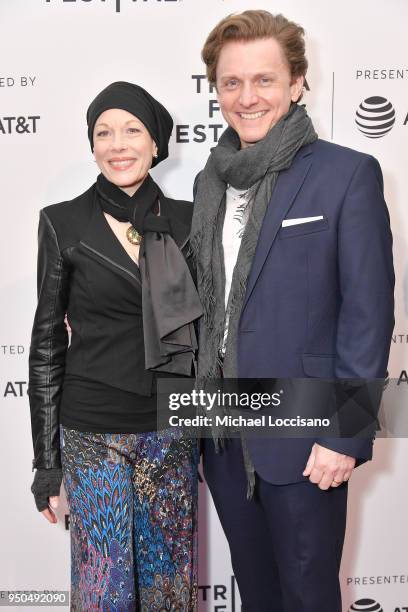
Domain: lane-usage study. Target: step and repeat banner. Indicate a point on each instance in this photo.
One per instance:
(55, 56)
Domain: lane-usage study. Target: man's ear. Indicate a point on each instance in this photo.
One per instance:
(296, 87)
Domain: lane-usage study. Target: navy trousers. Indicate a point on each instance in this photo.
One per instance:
(285, 543)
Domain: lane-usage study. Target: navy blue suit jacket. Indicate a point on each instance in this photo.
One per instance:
(319, 299)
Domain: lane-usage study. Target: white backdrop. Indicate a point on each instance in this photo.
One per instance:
(55, 56)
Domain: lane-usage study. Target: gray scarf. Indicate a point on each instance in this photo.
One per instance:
(255, 168)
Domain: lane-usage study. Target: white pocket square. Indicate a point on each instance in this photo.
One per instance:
(289, 222)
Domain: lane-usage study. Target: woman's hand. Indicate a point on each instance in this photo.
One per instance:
(46, 488)
(48, 513)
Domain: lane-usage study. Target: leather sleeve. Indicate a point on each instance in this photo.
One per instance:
(49, 342)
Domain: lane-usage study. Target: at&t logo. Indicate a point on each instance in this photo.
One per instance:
(19, 125)
(375, 117)
(369, 605)
(366, 605)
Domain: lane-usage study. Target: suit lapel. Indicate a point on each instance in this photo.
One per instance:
(286, 189)
(100, 242)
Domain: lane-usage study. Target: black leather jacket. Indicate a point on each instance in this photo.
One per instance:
(81, 272)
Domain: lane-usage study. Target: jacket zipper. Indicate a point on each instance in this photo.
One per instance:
(113, 263)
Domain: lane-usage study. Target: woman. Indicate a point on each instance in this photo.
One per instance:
(111, 260)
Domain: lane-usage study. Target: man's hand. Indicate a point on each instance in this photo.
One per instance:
(326, 468)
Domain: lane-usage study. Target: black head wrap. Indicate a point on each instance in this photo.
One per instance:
(141, 104)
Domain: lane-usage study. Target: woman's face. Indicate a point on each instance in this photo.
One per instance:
(123, 149)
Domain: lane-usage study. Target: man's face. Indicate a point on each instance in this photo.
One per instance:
(254, 87)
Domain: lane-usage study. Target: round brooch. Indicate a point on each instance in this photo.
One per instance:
(133, 235)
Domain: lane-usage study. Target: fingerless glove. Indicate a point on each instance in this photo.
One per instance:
(47, 483)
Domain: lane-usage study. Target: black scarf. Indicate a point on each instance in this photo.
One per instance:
(170, 301)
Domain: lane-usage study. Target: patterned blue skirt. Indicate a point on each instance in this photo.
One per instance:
(133, 520)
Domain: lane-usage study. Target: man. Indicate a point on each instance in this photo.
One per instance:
(294, 254)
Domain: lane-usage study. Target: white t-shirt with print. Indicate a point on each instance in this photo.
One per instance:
(233, 229)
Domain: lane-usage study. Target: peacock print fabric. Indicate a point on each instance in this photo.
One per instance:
(133, 520)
